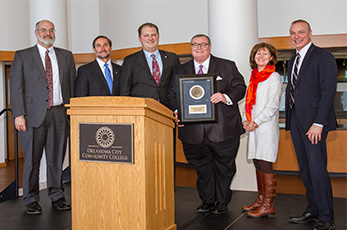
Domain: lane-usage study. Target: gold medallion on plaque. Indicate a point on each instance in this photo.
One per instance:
(196, 92)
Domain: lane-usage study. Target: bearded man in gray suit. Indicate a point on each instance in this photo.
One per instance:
(41, 82)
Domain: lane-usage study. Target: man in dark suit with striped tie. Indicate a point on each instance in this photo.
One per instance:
(310, 116)
(148, 72)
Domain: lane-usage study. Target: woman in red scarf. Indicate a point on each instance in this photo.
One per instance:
(261, 121)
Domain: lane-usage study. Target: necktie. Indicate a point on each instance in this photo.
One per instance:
(200, 69)
(155, 69)
(49, 75)
(108, 77)
(293, 81)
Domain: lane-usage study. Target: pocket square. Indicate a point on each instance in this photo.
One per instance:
(219, 78)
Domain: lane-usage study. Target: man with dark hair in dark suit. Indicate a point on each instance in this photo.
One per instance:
(41, 82)
(310, 116)
(211, 148)
(148, 72)
(101, 76)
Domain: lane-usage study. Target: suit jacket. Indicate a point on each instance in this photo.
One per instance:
(29, 87)
(228, 123)
(91, 81)
(137, 80)
(315, 90)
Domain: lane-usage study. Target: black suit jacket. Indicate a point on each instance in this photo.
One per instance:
(228, 116)
(315, 90)
(137, 80)
(91, 81)
(29, 87)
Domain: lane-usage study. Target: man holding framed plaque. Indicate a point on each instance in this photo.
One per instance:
(211, 146)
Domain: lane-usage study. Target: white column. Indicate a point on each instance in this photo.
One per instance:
(3, 121)
(233, 29)
(54, 11)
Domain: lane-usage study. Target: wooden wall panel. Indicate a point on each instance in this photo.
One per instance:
(326, 41)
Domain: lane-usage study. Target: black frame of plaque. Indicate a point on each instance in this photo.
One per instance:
(185, 101)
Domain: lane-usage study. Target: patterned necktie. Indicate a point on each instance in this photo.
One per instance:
(49, 75)
(108, 77)
(155, 69)
(293, 81)
(200, 69)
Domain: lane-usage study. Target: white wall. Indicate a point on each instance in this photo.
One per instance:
(3, 139)
(178, 20)
(14, 16)
(84, 23)
(325, 16)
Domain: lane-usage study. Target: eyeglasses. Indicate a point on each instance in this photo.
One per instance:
(45, 31)
(196, 45)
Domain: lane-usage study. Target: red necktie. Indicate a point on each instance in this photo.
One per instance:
(155, 69)
(49, 75)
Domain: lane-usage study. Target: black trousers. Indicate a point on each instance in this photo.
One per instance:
(215, 166)
(312, 160)
(51, 135)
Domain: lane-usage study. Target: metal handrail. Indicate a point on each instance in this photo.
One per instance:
(7, 194)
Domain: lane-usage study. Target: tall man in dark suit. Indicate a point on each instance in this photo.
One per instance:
(148, 73)
(211, 148)
(41, 82)
(309, 117)
(101, 76)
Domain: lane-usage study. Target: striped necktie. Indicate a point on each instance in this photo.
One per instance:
(293, 81)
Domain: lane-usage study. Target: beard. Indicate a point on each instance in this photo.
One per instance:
(104, 55)
(46, 42)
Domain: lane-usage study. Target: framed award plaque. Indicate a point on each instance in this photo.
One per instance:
(194, 97)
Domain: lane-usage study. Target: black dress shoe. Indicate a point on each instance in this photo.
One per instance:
(324, 225)
(33, 208)
(204, 207)
(303, 219)
(219, 209)
(61, 204)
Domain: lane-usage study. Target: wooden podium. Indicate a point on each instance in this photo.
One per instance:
(112, 195)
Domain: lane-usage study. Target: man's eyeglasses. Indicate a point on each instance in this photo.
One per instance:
(45, 31)
(196, 45)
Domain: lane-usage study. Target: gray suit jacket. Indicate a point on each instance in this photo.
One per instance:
(136, 78)
(29, 87)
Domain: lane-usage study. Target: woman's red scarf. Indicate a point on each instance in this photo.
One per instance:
(251, 95)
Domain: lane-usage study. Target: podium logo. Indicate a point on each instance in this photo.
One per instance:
(104, 137)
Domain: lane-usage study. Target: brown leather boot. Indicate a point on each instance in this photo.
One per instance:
(267, 207)
(259, 200)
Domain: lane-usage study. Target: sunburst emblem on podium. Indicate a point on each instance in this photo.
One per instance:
(104, 137)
